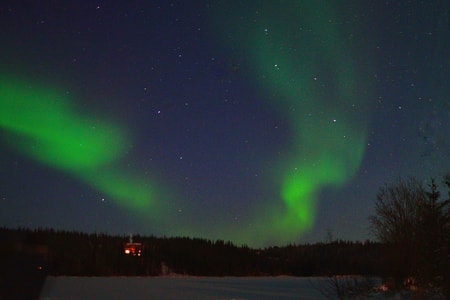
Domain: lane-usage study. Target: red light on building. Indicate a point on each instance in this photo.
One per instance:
(134, 249)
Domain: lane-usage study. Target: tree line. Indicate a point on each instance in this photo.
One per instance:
(80, 254)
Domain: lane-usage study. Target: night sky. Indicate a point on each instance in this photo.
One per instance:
(260, 122)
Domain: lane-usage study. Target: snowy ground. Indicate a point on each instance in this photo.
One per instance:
(59, 288)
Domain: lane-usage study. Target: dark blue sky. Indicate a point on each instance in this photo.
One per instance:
(202, 118)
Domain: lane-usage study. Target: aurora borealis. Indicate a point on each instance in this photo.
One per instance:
(252, 121)
(45, 127)
(328, 125)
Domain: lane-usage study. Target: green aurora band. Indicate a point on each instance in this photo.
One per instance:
(42, 124)
(305, 66)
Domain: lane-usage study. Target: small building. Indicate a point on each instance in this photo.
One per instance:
(134, 249)
(131, 248)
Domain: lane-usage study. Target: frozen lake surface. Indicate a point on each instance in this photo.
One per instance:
(59, 288)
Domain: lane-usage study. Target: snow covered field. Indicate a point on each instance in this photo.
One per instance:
(65, 288)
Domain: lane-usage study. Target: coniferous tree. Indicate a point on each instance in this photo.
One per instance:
(413, 224)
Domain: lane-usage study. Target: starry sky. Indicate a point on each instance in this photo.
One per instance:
(260, 122)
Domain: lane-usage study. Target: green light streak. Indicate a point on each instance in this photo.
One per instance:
(47, 128)
(122, 188)
(304, 64)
